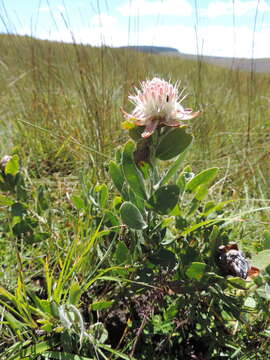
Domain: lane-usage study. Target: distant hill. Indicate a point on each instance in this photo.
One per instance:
(257, 65)
(243, 64)
(152, 49)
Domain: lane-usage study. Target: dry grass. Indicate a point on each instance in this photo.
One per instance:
(60, 107)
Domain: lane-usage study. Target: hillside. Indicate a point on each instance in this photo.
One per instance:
(75, 92)
(257, 65)
(152, 49)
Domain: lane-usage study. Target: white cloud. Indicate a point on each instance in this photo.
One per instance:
(103, 20)
(61, 8)
(161, 7)
(47, 9)
(237, 8)
(44, 9)
(210, 40)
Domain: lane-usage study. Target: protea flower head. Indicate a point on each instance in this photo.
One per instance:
(158, 103)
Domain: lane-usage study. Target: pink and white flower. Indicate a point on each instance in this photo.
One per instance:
(158, 103)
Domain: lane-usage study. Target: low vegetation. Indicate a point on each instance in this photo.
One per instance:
(107, 257)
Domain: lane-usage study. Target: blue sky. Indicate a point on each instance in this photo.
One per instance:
(238, 28)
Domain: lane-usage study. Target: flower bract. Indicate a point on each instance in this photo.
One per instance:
(158, 102)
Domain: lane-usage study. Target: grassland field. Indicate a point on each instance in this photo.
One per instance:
(60, 112)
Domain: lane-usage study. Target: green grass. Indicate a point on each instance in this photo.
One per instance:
(60, 112)
(60, 106)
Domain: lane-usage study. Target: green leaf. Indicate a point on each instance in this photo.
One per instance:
(164, 258)
(101, 305)
(38, 237)
(239, 283)
(200, 194)
(103, 194)
(136, 133)
(266, 333)
(54, 309)
(18, 209)
(12, 166)
(136, 200)
(41, 304)
(173, 143)
(33, 351)
(250, 302)
(15, 324)
(41, 199)
(185, 175)
(205, 223)
(131, 172)
(8, 295)
(172, 169)
(196, 270)
(262, 259)
(264, 291)
(5, 201)
(118, 155)
(78, 202)
(115, 352)
(266, 239)
(122, 253)
(165, 199)
(171, 312)
(110, 219)
(211, 206)
(213, 240)
(131, 216)
(116, 203)
(116, 175)
(63, 356)
(44, 305)
(194, 205)
(75, 293)
(203, 178)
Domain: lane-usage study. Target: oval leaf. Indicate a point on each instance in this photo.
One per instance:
(131, 216)
(103, 192)
(165, 198)
(122, 253)
(173, 169)
(203, 178)
(12, 166)
(262, 259)
(101, 305)
(173, 143)
(116, 175)
(196, 270)
(78, 202)
(75, 293)
(132, 174)
(239, 283)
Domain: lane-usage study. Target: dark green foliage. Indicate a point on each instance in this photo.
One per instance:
(172, 143)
